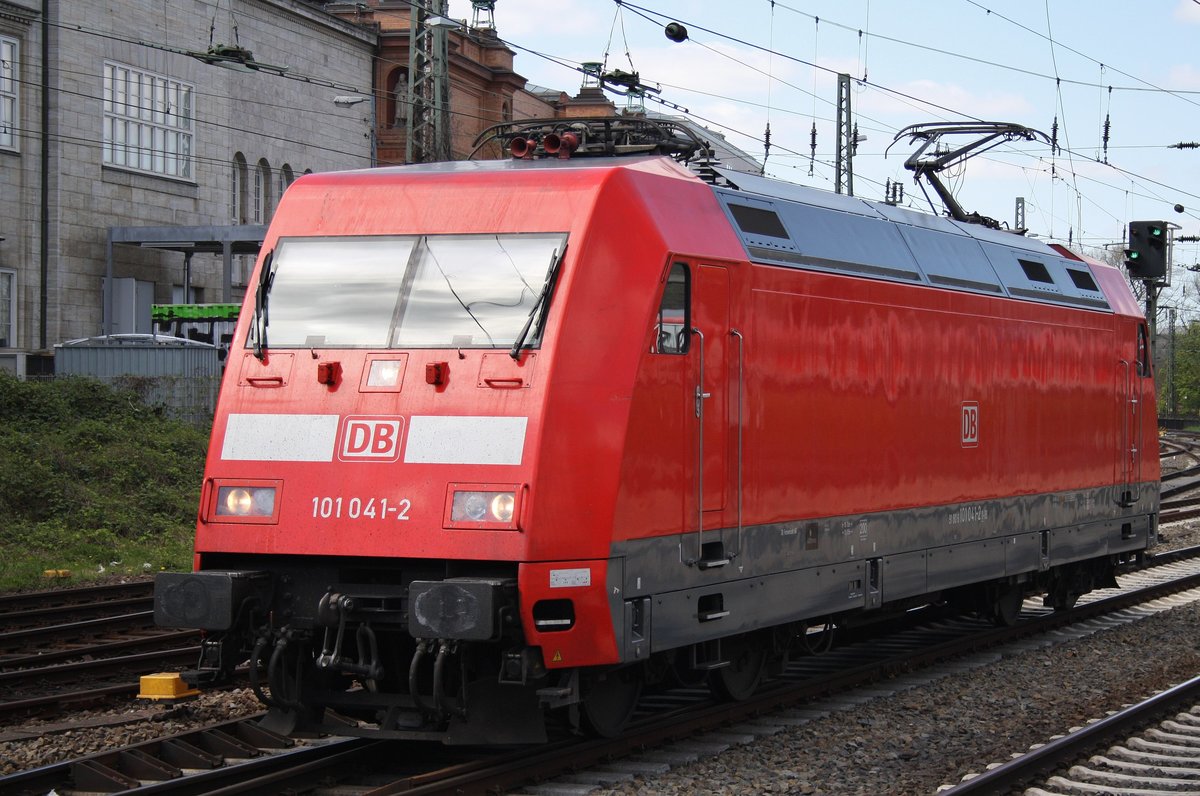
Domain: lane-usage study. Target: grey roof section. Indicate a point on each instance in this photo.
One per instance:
(728, 155)
(801, 227)
(777, 189)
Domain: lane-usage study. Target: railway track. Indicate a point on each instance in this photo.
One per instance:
(661, 720)
(1179, 443)
(1162, 758)
(1179, 510)
(61, 602)
(79, 646)
(1179, 478)
(72, 616)
(201, 761)
(31, 613)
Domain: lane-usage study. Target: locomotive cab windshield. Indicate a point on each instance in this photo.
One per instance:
(428, 291)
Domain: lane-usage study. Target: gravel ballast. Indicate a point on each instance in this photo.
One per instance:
(930, 735)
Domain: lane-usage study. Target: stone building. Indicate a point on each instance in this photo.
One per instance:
(145, 143)
(482, 82)
(484, 89)
(120, 115)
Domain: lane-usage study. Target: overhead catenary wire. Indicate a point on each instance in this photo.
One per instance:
(1146, 85)
(1058, 79)
(770, 84)
(780, 153)
(813, 132)
(75, 27)
(655, 16)
(777, 150)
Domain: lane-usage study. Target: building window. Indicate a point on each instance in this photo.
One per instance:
(8, 92)
(286, 178)
(147, 122)
(262, 192)
(237, 199)
(8, 309)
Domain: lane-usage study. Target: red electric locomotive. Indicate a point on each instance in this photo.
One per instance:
(502, 438)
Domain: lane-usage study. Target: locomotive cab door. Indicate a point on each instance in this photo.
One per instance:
(710, 406)
(694, 323)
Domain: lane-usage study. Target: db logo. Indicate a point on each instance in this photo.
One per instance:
(370, 439)
(970, 424)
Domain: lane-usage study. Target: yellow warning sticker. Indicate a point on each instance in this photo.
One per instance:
(557, 657)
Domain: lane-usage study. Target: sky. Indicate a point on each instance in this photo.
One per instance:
(1063, 67)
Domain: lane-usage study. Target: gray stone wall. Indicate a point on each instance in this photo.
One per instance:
(19, 166)
(285, 120)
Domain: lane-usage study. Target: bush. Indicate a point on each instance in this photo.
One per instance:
(92, 476)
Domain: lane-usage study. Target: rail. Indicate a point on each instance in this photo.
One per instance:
(1020, 770)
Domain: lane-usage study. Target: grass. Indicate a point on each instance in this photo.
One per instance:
(94, 483)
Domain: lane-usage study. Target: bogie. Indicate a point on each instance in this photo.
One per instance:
(609, 699)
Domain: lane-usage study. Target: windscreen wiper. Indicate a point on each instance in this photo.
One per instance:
(540, 305)
(265, 278)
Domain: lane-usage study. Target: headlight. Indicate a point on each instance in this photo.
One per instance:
(385, 373)
(473, 506)
(483, 506)
(245, 501)
(501, 506)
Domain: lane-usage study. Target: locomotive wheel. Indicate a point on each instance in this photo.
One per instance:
(609, 701)
(818, 641)
(1064, 601)
(1007, 607)
(739, 680)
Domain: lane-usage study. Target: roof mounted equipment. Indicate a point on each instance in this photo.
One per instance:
(988, 135)
(594, 137)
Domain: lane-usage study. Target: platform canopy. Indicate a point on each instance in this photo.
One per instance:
(224, 240)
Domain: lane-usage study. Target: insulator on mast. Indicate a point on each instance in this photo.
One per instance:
(812, 157)
(766, 146)
(1107, 130)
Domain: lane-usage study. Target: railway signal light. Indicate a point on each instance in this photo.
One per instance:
(1146, 257)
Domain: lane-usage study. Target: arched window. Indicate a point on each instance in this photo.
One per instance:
(237, 199)
(286, 178)
(8, 308)
(262, 192)
(505, 112)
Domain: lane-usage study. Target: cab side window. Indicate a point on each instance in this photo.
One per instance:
(674, 313)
